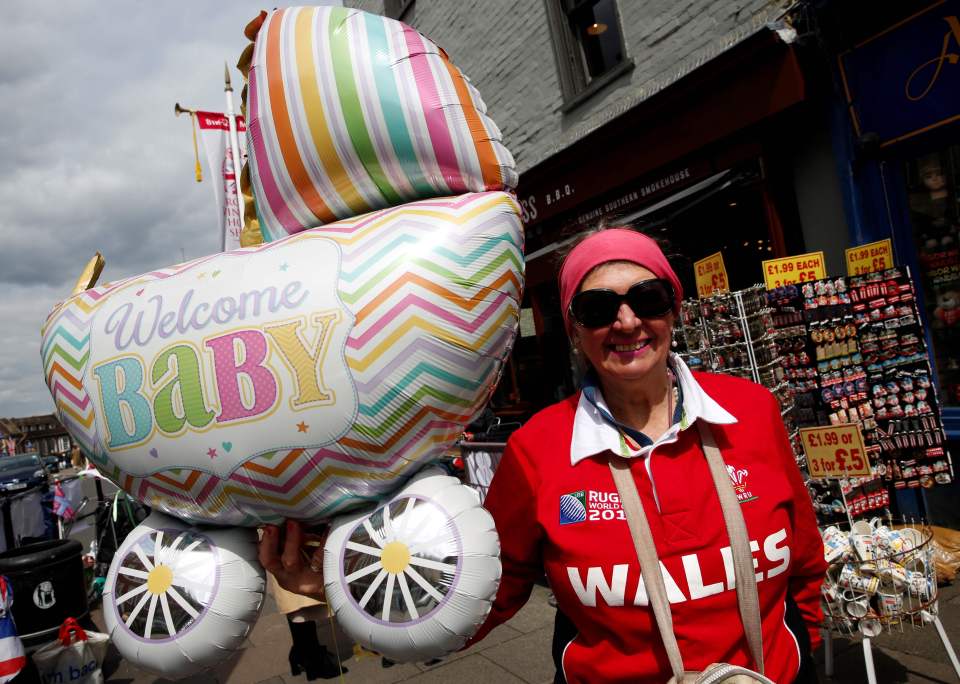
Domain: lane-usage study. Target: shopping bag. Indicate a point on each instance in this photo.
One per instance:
(12, 658)
(74, 658)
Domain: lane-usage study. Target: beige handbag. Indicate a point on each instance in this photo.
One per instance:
(653, 580)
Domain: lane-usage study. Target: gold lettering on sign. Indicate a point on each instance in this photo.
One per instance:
(945, 57)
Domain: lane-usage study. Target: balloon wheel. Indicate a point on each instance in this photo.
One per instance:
(401, 563)
(165, 583)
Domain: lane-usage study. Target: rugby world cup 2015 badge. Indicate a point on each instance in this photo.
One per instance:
(573, 508)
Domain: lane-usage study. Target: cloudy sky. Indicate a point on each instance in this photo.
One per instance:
(93, 157)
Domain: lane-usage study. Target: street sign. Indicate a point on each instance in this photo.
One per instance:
(873, 256)
(794, 269)
(835, 451)
(711, 275)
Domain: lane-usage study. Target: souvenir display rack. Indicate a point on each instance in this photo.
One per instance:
(853, 351)
(732, 333)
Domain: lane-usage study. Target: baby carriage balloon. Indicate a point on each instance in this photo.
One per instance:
(319, 375)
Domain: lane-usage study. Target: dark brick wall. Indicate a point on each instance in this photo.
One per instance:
(506, 49)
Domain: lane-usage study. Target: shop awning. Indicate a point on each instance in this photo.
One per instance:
(541, 264)
(705, 107)
(695, 194)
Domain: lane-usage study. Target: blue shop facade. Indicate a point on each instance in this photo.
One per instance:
(895, 127)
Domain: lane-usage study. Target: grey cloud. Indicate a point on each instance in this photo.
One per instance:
(92, 158)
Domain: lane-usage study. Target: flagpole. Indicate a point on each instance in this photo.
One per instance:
(234, 150)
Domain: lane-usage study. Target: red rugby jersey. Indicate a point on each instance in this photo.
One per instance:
(566, 519)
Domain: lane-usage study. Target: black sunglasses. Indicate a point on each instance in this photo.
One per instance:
(647, 299)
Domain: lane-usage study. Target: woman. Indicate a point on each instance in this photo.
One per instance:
(557, 510)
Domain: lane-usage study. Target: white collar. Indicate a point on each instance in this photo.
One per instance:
(593, 434)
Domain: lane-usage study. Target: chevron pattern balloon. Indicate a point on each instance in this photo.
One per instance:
(350, 112)
(300, 378)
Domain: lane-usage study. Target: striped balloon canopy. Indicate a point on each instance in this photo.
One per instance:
(298, 379)
(350, 112)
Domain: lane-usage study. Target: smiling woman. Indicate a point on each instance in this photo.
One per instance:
(576, 481)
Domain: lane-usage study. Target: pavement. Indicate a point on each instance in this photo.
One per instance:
(519, 652)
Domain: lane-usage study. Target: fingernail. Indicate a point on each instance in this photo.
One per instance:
(290, 524)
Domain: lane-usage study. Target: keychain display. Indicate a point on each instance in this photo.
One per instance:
(733, 333)
(853, 351)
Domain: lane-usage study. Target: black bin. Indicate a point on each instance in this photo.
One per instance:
(48, 587)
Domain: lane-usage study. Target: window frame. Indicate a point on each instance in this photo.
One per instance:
(575, 84)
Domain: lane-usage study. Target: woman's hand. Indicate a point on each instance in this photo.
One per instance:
(295, 559)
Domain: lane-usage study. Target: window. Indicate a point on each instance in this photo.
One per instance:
(933, 181)
(588, 44)
(395, 9)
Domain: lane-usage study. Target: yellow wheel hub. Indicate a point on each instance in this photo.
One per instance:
(395, 557)
(159, 580)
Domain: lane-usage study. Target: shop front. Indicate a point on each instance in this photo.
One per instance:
(899, 70)
(691, 167)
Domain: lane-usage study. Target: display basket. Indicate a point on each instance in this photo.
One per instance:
(881, 577)
(480, 460)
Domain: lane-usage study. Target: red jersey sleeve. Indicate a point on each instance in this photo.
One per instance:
(807, 564)
(512, 500)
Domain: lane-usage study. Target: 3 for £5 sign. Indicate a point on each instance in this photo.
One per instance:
(794, 269)
(835, 451)
(711, 275)
(873, 256)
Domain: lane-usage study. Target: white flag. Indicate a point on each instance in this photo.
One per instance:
(215, 132)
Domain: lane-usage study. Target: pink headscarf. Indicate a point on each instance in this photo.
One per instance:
(613, 244)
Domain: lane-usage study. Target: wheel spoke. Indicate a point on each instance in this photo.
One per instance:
(171, 551)
(373, 533)
(363, 572)
(440, 539)
(190, 567)
(363, 548)
(433, 565)
(415, 533)
(136, 610)
(387, 524)
(168, 619)
(130, 572)
(372, 588)
(175, 595)
(130, 594)
(148, 629)
(194, 544)
(185, 583)
(137, 549)
(407, 598)
(388, 597)
(418, 578)
(406, 515)
(158, 547)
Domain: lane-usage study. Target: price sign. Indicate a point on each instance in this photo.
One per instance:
(711, 275)
(794, 269)
(874, 256)
(834, 452)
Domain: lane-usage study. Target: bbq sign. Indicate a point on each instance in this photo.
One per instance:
(834, 452)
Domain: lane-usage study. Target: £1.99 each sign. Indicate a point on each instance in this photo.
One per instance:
(794, 269)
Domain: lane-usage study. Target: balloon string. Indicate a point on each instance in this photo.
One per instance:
(333, 634)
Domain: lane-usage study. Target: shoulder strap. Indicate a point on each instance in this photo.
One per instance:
(746, 582)
(647, 555)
